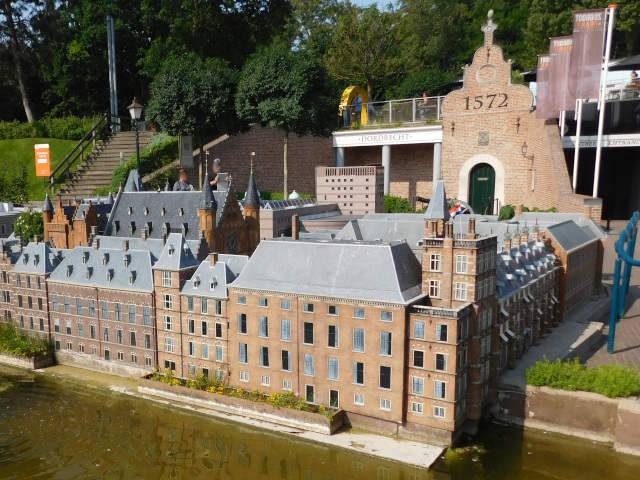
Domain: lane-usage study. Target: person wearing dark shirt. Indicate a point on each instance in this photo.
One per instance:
(213, 177)
(182, 185)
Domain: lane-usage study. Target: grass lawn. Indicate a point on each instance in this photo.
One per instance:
(13, 152)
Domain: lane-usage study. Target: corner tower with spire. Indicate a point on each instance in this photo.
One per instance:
(207, 213)
(252, 212)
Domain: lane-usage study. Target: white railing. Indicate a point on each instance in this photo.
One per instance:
(394, 112)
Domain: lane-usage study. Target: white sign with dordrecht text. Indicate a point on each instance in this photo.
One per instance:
(388, 136)
(610, 141)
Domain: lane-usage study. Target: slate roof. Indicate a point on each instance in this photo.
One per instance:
(47, 206)
(369, 271)
(571, 236)
(176, 255)
(252, 198)
(12, 248)
(211, 281)
(38, 259)
(207, 199)
(134, 182)
(520, 267)
(438, 206)
(106, 268)
(140, 209)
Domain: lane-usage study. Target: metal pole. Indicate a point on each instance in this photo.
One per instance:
(601, 102)
(138, 148)
(613, 315)
(576, 155)
(631, 247)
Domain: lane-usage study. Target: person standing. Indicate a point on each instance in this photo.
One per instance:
(213, 176)
(182, 185)
(357, 102)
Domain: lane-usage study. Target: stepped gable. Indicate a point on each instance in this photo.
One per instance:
(122, 269)
(37, 258)
(176, 255)
(367, 271)
(211, 280)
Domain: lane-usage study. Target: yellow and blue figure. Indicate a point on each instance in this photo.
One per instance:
(348, 106)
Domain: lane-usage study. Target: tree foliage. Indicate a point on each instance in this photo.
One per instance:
(288, 90)
(366, 49)
(193, 96)
(14, 187)
(28, 225)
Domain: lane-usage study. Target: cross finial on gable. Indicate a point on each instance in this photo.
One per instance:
(488, 29)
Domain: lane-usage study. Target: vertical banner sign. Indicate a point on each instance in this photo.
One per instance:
(186, 151)
(560, 98)
(586, 53)
(543, 109)
(43, 162)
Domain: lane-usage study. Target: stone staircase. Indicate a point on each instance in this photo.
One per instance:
(96, 170)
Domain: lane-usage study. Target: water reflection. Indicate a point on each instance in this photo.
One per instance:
(58, 429)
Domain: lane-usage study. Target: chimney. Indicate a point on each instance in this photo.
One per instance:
(516, 239)
(295, 227)
(471, 234)
(19, 243)
(449, 230)
(213, 258)
(96, 243)
(164, 238)
(144, 234)
(507, 243)
(94, 230)
(524, 239)
(518, 210)
(536, 232)
(125, 246)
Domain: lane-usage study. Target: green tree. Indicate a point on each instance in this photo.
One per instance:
(28, 225)
(366, 49)
(427, 80)
(288, 90)
(314, 22)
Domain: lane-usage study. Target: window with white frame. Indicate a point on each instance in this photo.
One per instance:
(285, 330)
(264, 357)
(435, 262)
(242, 299)
(441, 362)
(417, 385)
(358, 313)
(358, 339)
(265, 380)
(439, 412)
(461, 291)
(385, 343)
(168, 344)
(440, 389)
(244, 376)
(332, 340)
(418, 358)
(333, 310)
(285, 304)
(386, 316)
(262, 302)
(308, 307)
(242, 352)
(416, 407)
(166, 279)
(461, 263)
(418, 329)
(434, 288)
(385, 404)
(264, 327)
(358, 373)
(309, 364)
(333, 368)
(168, 322)
(167, 301)
(286, 385)
(218, 353)
(205, 351)
(358, 399)
(442, 332)
(204, 305)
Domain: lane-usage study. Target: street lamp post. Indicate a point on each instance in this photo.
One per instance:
(135, 110)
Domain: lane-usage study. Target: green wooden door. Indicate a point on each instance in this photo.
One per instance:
(481, 188)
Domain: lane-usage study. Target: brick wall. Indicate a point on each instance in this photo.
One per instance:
(305, 153)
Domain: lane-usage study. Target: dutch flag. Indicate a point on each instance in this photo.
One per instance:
(455, 211)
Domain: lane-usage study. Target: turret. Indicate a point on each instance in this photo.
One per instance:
(252, 212)
(437, 211)
(207, 211)
(47, 215)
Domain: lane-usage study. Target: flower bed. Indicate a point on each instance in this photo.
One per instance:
(21, 350)
(279, 408)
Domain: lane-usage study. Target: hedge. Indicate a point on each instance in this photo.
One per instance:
(65, 128)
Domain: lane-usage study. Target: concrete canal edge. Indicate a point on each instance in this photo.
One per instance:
(580, 414)
(309, 421)
(32, 363)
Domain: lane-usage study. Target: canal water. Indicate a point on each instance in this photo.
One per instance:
(58, 428)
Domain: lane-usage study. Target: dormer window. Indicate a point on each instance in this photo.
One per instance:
(85, 257)
(214, 282)
(132, 227)
(172, 249)
(132, 277)
(162, 211)
(126, 260)
(129, 210)
(88, 273)
(109, 275)
(69, 270)
(105, 258)
(185, 249)
(116, 225)
(36, 259)
(146, 211)
(196, 281)
(185, 229)
(25, 259)
(181, 212)
(165, 229)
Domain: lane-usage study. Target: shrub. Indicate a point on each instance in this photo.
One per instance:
(609, 380)
(397, 205)
(28, 225)
(17, 343)
(14, 188)
(161, 151)
(65, 128)
(509, 211)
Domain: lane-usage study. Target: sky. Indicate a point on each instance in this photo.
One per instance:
(366, 3)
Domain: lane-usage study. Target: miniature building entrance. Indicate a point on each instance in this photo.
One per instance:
(482, 188)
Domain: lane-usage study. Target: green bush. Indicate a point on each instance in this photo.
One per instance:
(28, 225)
(14, 188)
(609, 380)
(397, 205)
(161, 151)
(509, 211)
(65, 128)
(17, 343)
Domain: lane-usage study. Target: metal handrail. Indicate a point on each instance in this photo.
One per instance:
(101, 127)
(389, 112)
